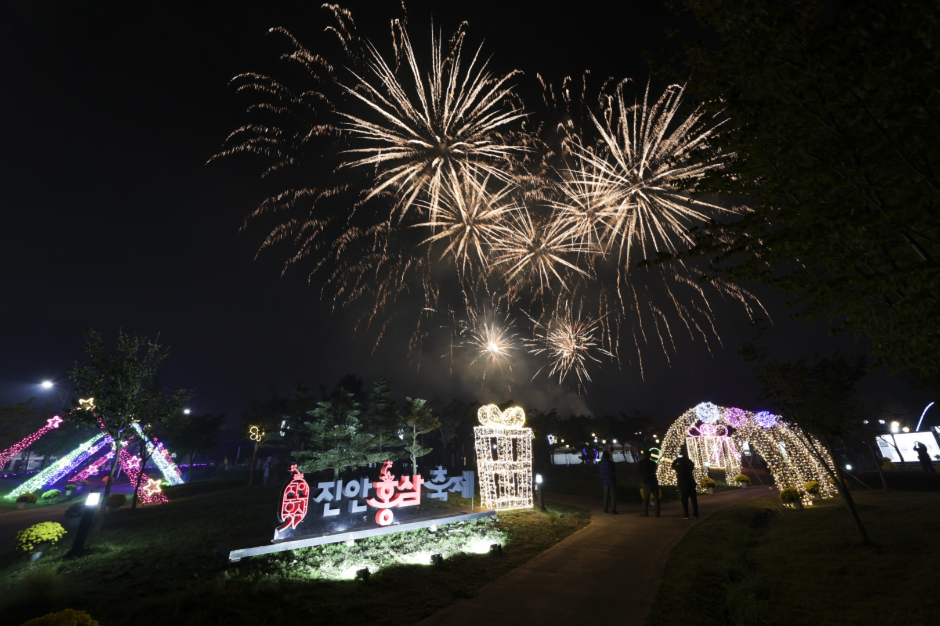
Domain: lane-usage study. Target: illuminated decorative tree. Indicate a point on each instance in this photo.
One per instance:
(784, 447)
(504, 458)
(122, 387)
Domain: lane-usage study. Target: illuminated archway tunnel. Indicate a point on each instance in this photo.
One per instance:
(716, 435)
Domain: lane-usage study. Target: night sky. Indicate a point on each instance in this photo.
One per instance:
(111, 218)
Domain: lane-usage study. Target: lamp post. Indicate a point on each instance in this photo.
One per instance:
(540, 490)
(91, 503)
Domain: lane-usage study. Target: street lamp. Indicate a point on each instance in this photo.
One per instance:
(186, 411)
(47, 384)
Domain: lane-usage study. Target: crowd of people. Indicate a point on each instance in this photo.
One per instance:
(682, 465)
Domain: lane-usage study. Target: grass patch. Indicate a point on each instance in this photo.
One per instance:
(708, 579)
(749, 565)
(816, 566)
(159, 563)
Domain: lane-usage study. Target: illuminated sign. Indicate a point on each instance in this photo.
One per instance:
(890, 445)
(341, 506)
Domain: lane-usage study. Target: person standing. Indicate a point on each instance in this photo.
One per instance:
(924, 457)
(650, 483)
(685, 477)
(608, 473)
(268, 462)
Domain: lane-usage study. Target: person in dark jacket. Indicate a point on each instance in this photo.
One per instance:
(650, 482)
(609, 480)
(924, 457)
(685, 477)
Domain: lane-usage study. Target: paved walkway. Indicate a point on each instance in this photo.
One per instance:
(609, 570)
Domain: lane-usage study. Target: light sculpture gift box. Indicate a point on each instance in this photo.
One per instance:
(504, 458)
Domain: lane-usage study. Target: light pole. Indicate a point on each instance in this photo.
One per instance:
(540, 490)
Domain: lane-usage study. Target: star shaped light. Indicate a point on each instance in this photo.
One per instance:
(152, 487)
(54, 421)
(133, 462)
(87, 404)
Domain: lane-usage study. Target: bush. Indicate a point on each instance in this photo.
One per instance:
(790, 495)
(36, 535)
(812, 487)
(75, 511)
(28, 498)
(117, 500)
(68, 617)
(83, 483)
(835, 483)
(52, 494)
(743, 478)
(70, 488)
(888, 465)
(707, 482)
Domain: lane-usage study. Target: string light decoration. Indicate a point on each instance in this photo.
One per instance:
(161, 458)
(131, 466)
(18, 447)
(710, 445)
(81, 458)
(92, 469)
(784, 447)
(504, 458)
(59, 468)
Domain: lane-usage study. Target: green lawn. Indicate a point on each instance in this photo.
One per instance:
(158, 565)
(749, 565)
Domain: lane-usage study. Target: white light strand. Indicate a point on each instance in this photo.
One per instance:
(506, 480)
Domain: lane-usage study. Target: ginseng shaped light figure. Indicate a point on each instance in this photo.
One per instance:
(504, 458)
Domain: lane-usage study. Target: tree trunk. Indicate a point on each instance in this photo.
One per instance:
(251, 474)
(140, 475)
(847, 497)
(881, 473)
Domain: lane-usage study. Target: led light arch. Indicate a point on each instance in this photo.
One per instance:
(715, 435)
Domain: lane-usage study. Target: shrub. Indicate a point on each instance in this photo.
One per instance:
(36, 535)
(68, 617)
(743, 478)
(117, 500)
(812, 487)
(75, 511)
(888, 465)
(28, 498)
(790, 495)
(51, 494)
(707, 482)
(83, 483)
(70, 488)
(835, 483)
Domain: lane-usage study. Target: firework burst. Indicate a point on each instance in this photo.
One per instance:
(570, 340)
(440, 153)
(469, 220)
(640, 165)
(419, 136)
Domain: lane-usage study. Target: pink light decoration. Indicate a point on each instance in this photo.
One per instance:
(707, 430)
(92, 469)
(131, 466)
(163, 452)
(765, 419)
(736, 417)
(22, 444)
